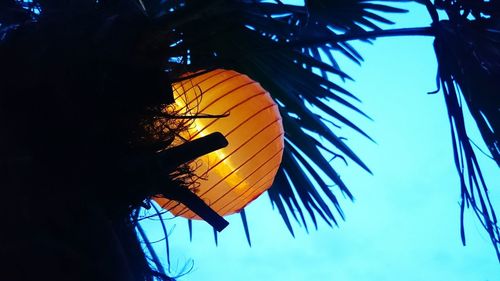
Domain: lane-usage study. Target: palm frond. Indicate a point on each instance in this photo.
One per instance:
(468, 53)
(260, 39)
(291, 50)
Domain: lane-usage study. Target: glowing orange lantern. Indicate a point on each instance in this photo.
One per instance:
(237, 174)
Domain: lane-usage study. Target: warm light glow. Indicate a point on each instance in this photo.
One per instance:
(239, 173)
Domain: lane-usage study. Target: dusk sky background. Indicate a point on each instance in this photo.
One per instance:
(404, 223)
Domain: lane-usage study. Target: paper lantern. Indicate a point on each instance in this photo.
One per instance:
(237, 174)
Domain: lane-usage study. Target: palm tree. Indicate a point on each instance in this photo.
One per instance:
(80, 77)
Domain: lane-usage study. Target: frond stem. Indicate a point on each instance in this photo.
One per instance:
(412, 31)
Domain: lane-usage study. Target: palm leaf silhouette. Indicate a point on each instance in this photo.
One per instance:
(468, 52)
(262, 39)
(119, 58)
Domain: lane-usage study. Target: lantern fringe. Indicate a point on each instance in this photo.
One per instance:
(166, 126)
(163, 128)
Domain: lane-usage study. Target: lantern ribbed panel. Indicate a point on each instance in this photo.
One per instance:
(237, 174)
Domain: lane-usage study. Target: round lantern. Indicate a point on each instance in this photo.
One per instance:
(231, 177)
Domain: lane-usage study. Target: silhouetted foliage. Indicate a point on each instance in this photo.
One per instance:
(80, 78)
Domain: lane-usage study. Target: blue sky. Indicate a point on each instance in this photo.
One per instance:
(404, 222)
